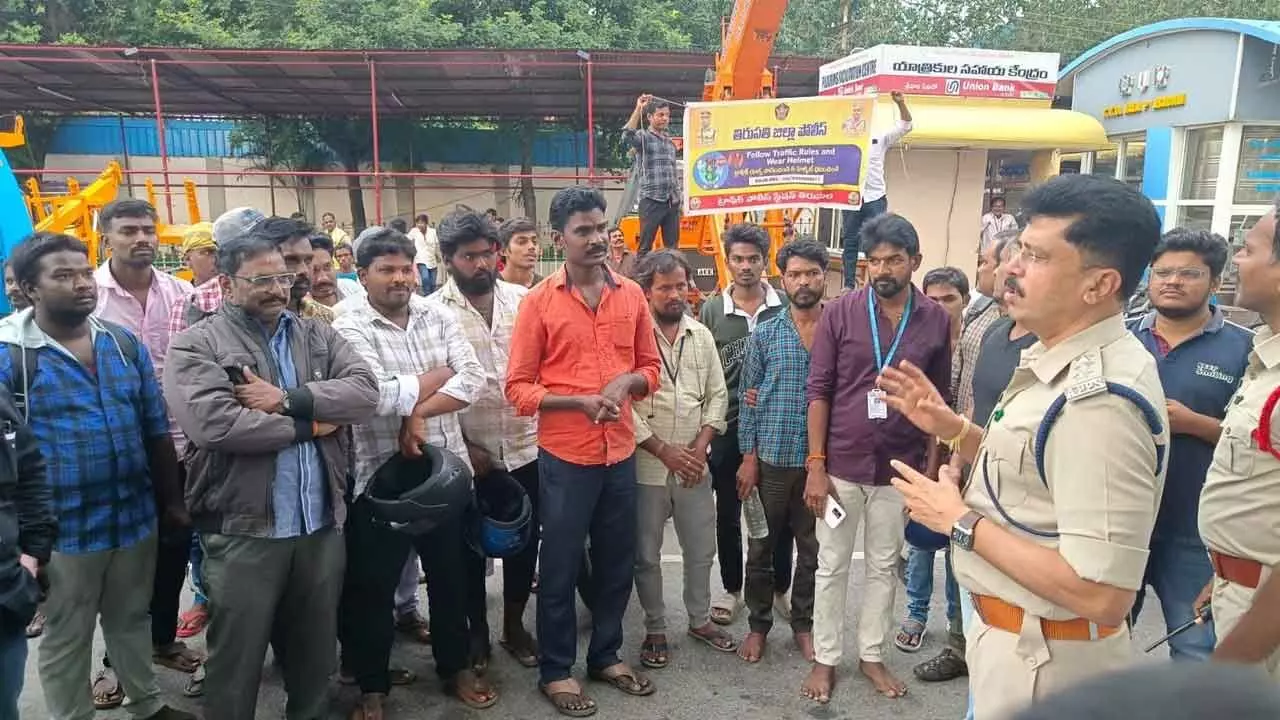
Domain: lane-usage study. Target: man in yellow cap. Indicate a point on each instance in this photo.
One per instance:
(200, 252)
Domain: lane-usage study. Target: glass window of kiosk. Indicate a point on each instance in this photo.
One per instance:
(1134, 153)
(1195, 217)
(1105, 162)
(1200, 168)
(1258, 179)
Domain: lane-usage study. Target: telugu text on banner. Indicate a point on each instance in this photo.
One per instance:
(745, 155)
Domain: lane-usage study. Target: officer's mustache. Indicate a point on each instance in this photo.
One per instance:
(1011, 284)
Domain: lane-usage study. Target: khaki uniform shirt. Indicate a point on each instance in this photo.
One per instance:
(1103, 489)
(1240, 503)
(692, 395)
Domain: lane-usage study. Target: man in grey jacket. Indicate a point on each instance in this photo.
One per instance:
(261, 394)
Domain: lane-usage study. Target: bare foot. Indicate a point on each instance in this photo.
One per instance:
(886, 684)
(752, 647)
(804, 641)
(817, 687)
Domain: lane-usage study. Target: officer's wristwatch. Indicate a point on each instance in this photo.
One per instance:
(962, 531)
(286, 405)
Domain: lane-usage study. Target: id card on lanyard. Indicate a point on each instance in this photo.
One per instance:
(877, 408)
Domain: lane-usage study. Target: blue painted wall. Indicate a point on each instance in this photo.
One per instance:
(1155, 163)
(212, 139)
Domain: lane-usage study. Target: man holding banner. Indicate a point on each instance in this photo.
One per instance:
(874, 199)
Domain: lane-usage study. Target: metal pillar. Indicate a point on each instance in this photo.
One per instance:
(591, 124)
(164, 145)
(377, 168)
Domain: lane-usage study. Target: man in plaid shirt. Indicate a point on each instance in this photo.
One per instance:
(91, 398)
(773, 448)
(656, 170)
(427, 372)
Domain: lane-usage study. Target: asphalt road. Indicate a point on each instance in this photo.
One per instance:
(699, 684)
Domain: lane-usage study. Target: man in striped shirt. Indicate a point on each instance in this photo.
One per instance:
(773, 452)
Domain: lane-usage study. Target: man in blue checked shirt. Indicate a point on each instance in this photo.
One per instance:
(774, 447)
(90, 395)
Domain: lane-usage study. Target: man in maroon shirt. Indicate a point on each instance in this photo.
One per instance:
(852, 436)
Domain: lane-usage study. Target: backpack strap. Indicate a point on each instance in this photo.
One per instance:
(23, 362)
(1086, 381)
(126, 340)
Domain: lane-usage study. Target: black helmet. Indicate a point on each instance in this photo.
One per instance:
(416, 495)
(505, 522)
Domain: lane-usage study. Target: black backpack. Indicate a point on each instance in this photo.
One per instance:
(26, 360)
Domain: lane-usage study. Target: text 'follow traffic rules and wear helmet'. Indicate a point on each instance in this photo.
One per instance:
(417, 495)
(505, 516)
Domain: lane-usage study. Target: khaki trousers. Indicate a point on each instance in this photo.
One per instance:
(1008, 672)
(878, 509)
(116, 586)
(693, 511)
(1230, 603)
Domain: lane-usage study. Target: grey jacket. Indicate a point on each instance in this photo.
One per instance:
(231, 457)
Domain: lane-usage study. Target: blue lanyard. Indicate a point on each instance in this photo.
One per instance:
(885, 361)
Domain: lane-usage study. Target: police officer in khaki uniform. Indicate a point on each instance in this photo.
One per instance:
(1240, 503)
(1052, 531)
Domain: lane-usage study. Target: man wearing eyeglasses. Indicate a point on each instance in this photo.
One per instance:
(262, 394)
(1201, 357)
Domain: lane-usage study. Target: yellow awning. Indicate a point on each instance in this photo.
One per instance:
(940, 123)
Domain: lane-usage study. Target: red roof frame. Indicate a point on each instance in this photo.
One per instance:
(436, 83)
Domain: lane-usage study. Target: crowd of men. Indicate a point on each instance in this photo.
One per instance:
(234, 429)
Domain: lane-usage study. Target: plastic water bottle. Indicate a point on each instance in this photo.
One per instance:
(753, 511)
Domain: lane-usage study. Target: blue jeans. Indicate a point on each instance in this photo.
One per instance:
(197, 560)
(427, 276)
(1178, 569)
(850, 231)
(920, 586)
(13, 667)
(576, 502)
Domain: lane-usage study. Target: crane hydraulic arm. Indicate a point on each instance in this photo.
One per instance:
(742, 71)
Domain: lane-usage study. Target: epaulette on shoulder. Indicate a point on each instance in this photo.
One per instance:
(1085, 379)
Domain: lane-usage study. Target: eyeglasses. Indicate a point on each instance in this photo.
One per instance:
(892, 262)
(1187, 274)
(284, 280)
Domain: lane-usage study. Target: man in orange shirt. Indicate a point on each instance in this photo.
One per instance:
(582, 350)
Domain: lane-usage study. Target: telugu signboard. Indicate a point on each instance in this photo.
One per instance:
(947, 72)
(764, 154)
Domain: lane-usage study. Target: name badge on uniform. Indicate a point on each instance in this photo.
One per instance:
(877, 409)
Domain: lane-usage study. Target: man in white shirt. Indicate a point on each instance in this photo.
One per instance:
(874, 198)
(428, 249)
(996, 221)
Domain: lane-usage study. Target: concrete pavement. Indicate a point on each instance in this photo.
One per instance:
(699, 684)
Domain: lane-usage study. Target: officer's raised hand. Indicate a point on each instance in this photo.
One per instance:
(935, 504)
(909, 391)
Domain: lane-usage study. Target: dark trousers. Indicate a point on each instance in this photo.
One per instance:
(782, 494)
(850, 231)
(653, 215)
(725, 460)
(376, 556)
(577, 502)
(478, 643)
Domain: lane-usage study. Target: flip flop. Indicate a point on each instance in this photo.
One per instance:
(107, 698)
(564, 703)
(522, 650)
(35, 628)
(451, 687)
(177, 656)
(195, 683)
(715, 638)
(910, 636)
(654, 654)
(192, 622)
(724, 609)
(628, 681)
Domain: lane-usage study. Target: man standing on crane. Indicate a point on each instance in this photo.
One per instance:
(875, 201)
(656, 171)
